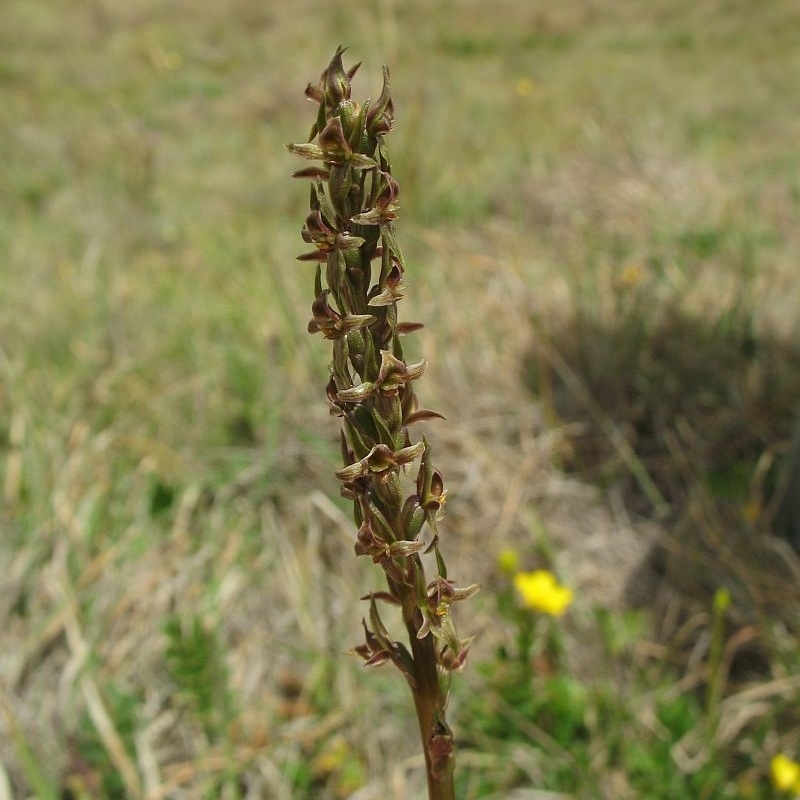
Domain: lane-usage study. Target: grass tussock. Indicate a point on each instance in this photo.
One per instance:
(613, 215)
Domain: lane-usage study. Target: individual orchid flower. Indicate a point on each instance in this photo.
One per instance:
(330, 323)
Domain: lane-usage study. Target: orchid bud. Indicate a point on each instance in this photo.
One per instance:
(335, 81)
(413, 517)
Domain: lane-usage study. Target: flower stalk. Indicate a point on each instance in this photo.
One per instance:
(359, 281)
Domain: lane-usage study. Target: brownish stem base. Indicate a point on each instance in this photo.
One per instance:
(430, 701)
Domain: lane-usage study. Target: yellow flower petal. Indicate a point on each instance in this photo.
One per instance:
(540, 591)
(785, 774)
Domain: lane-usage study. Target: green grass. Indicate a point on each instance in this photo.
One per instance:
(611, 184)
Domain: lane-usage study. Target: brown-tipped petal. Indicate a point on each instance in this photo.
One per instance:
(356, 394)
(404, 548)
(381, 657)
(312, 172)
(352, 471)
(370, 217)
(422, 415)
(307, 150)
(404, 328)
(360, 161)
(415, 371)
(385, 596)
(408, 454)
(317, 255)
(464, 593)
(352, 322)
(346, 241)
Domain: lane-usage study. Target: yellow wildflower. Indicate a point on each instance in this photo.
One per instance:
(541, 591)
(785, 774)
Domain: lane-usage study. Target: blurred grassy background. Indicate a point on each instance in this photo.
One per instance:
(582, 182)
